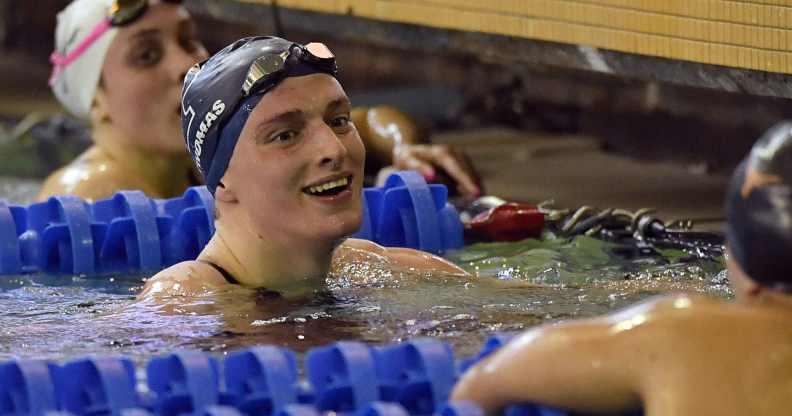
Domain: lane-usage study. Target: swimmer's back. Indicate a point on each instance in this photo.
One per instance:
(676, 355)
(706, 356)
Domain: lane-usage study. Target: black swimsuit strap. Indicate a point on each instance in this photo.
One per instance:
(226, 275)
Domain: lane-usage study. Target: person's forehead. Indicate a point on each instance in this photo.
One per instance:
(307, 94)
(158, 16)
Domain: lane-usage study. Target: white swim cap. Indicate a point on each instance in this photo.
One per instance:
(75, 83)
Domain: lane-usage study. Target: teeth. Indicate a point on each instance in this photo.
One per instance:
(328, 185)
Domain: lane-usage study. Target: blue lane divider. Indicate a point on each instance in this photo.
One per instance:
(66, 240)
(132, 237)
(27, 388)
(460, 409)
(383, 409)
(184, 382)
(420, 373)
(217, 411)
(348, 378)
(262, 380)
(130, 233)
(407, 212)
(298, 410)
(343, 375)
(11, 226)
(100, 385)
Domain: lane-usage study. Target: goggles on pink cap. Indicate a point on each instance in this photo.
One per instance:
(120, 13)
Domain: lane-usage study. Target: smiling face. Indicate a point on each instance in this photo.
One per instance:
(297, 169)
(142, 77)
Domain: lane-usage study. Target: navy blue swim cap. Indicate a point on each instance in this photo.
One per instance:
(220, 93)
(759, 210)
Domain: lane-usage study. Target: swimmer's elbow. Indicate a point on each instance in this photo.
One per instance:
(566, 366)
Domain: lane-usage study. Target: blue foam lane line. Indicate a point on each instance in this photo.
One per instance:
(74, 212)
(262, 380)
(184, 382)
(421, 373)
(383, 409)
(9, 244)
(460, 409)
(97, 385)
(146, 234)
(349, 378)
(343, 376)
(423, 215)
(27, 388)
(131, 233)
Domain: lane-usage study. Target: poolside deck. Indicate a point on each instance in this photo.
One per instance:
(575, 171)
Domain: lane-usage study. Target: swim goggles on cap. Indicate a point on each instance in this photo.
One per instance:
(120, 13)
(269, 69)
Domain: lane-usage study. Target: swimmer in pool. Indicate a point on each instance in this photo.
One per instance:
(683, 354)
(124, 74)
(269, 126)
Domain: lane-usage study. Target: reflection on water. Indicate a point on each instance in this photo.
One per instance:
(18, 190)
(62, 317)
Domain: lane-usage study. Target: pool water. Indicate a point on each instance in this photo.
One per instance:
(514, 286)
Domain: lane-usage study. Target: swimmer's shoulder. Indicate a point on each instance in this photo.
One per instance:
(91, 176)
(669, 309)
(188, 278)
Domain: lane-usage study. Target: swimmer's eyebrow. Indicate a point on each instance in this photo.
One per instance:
(297, 117)
(145, 33)
(341, 103)
(294, 117)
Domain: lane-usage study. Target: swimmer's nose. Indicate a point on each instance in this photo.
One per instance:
(331, 149)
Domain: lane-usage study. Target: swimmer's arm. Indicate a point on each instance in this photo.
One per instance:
(392, 138)
(405, 257)
(382, 129)
(185, 279)
(577, 366)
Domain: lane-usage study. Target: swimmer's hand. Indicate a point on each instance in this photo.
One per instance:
(393, 138)
(428, 158)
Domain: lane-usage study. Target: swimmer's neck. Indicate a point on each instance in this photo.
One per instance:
(294, 270)
(168, 174)
(767, 299)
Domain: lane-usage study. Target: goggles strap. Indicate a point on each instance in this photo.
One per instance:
(60, 61)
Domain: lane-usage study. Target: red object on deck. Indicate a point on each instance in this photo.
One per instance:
(507, 222)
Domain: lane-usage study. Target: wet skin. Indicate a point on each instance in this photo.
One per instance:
(135, 116)
(271, 231)
(675, 355)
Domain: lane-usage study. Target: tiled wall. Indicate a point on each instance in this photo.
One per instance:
(749, 34)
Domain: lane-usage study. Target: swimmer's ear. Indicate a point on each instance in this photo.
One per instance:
(99, 107)
(224, 193)
(753, 288)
